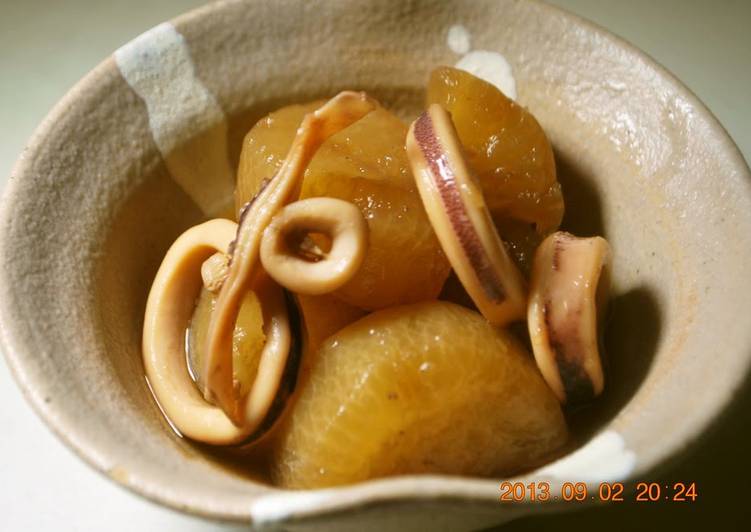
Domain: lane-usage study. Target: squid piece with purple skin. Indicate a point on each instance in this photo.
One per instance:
(568, 296)
(236, 404)
(336, 114)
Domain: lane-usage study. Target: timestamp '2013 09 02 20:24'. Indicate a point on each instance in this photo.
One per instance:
(607, 491)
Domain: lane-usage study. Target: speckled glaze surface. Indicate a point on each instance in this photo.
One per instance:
(145, 145)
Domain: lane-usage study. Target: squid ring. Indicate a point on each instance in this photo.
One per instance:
(169, 309)
(311, 271)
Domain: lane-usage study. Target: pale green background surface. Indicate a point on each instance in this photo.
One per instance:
(46, 46)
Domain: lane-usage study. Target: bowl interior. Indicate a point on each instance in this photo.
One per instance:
(115, 174)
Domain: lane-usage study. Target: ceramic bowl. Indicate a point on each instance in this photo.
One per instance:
(145, 146)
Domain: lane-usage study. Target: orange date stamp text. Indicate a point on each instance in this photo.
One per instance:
(604, 492)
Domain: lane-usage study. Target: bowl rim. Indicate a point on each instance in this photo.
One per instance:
(361, 495)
